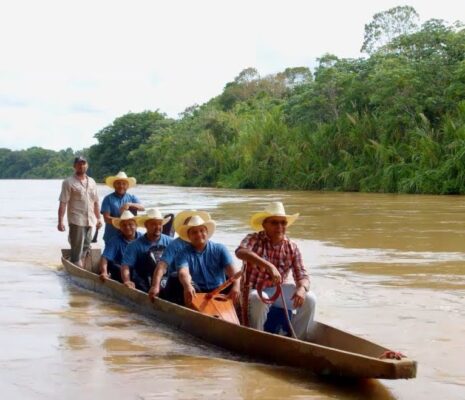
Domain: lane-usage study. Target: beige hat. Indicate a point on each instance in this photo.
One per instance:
(152, 213)
(275, 209)
(120, 176)
(183, 215)
(126, 215)
(196, 220)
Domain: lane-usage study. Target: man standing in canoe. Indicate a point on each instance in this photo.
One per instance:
(120, 200)
(165, 282)
(141, 255)
(79, 196)
(112, 256)
(203, 265)
(269, 255)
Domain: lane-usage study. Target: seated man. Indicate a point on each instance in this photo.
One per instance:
(165, 282)
(268, 257)
(202, 264)
(120, 200)
(110, 262)
(142, 254)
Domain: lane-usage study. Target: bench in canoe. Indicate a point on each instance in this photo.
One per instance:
(330, 351)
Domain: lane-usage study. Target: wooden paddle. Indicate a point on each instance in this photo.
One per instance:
(216, 304)
(94, 239)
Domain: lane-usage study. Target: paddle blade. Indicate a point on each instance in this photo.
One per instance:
(218, 306)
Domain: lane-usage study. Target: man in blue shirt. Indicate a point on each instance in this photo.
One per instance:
(142, 254)
(110, 262)
(202, 266)
(165, 282)
(115, 203)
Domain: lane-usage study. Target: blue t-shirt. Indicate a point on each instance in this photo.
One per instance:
(114, 249)
(136, 252)
(207, 268)
(170, 253)
(112, 204)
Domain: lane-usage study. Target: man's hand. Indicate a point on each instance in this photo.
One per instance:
(130, 284)
(154, 292)
(61, 227)
(104, 276)
(99, 224)
(298, 297)
(275, 275)
(189, 294)
(234, 293)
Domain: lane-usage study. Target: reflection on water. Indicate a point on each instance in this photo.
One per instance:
(386, 267)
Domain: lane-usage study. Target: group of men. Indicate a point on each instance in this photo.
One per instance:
(177, 269)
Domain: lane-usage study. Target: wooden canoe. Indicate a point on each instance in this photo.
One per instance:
(330, 351)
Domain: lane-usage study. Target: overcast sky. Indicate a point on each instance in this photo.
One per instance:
(69, 68)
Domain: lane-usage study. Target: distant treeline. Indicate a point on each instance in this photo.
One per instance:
(391, 122)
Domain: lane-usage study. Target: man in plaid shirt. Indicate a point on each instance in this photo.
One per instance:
(268, 257)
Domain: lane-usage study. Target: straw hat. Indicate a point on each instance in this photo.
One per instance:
(126, 215)
(152, 213)
(183, 215)
(120, 176)
(275, 209)
(196, 220)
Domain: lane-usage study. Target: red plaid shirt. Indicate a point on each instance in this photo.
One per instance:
(285, 256)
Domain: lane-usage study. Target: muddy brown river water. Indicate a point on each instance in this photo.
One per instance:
(390, 268)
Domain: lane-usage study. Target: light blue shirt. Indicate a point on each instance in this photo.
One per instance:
(170, 253)
(207, 268)
(112, 203)
(136, 251)
(114, 249)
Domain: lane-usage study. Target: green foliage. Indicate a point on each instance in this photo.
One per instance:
(392, 122)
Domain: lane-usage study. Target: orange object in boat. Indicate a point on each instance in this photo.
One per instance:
(219, 306)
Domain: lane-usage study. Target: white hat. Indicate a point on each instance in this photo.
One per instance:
(125, 216)
(181, 217)
(275, 209)
(194, 221)
(152, 213)
(120, 176)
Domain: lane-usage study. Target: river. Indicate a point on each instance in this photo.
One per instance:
(390, 268)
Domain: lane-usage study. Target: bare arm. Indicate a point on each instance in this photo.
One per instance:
(254, 259)
(236, 286)
(61, 215)
(160, 270)
(126, 277)
(106, 217)
(103, 269)
(186, 282)
(97, 213)
(132, 206)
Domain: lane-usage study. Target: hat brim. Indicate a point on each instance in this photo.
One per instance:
(140, 221)
(110, 181)
(184, 229)
(183, 215)
(116, 222)
(256, 221)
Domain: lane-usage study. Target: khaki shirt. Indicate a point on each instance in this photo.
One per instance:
(80, 198)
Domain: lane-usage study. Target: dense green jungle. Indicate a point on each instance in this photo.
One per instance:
(391, 121)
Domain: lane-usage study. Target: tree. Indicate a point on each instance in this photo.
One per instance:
(388, 25)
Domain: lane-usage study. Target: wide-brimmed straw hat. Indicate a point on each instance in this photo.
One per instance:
(125, 216)
(275, 209)
(152, 213)
(120, 176)
(181, 217)
(194, 221)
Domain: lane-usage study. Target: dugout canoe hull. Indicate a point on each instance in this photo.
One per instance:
(331, 351)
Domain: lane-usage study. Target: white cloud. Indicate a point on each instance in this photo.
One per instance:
(69, 68)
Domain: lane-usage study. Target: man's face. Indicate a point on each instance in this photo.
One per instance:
(128, 228)
(80, 168)
(275, 227)
(121, 187)
(154, 227)
(198, 235)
